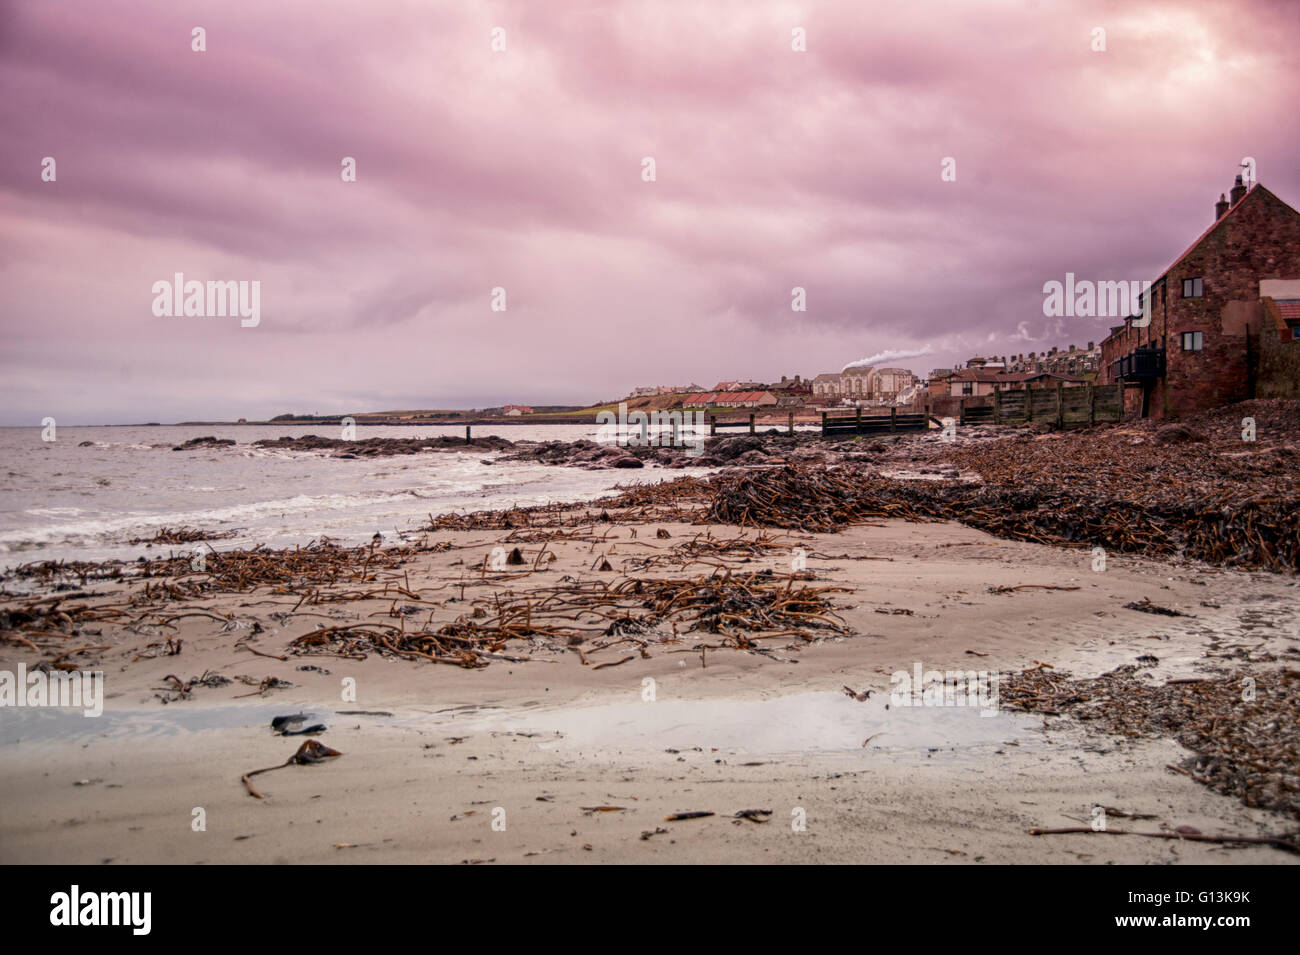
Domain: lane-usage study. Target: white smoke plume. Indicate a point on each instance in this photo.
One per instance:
(885, 356)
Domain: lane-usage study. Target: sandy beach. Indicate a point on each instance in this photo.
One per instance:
(548, 754)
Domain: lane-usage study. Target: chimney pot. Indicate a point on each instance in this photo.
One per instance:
(1238, 191)
(1220, 207)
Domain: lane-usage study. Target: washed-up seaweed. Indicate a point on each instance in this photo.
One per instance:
(1242, 527)
(593, 615)
(181, 535)
(288, 570)
(309, 753)
(675, 501)
(1243, 728)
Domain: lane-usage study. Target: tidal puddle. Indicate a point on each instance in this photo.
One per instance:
(24, 724)
(795, 723)
(798, 723)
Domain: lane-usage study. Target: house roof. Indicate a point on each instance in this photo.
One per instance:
(976, 374)
(996, 377)
(1289, 309)
(1035, 375)
(1254, 189)
(715, 397)
(829, 376)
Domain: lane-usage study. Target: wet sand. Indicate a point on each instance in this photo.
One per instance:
(528, 745)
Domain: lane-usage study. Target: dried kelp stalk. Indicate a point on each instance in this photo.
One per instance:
(308, 754)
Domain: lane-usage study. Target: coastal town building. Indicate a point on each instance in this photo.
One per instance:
(1074, 362)
(976, 382)
(1219, 325)
(863, 382)
(791, 392)
(516, 410)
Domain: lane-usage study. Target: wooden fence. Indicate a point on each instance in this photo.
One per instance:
(715, 423)
(1061, 406)
(853, 421)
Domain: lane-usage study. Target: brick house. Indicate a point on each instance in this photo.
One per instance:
(978, 382)
(1202, 347)
(967, 383)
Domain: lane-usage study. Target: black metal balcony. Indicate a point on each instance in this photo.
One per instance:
(1140, 364)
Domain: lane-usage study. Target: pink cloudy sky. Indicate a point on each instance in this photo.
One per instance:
(522, 169)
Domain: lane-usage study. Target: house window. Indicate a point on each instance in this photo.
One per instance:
(967, 387)
(1295, 331)
(1193, 341)
(1192, 288)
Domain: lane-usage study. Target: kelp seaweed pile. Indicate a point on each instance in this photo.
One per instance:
(320, 572)
(288, 570)
(664, 501)
(1245, 744)
(590, 616)
(1218, 521)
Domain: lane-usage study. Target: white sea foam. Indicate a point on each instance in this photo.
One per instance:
(61, 501)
